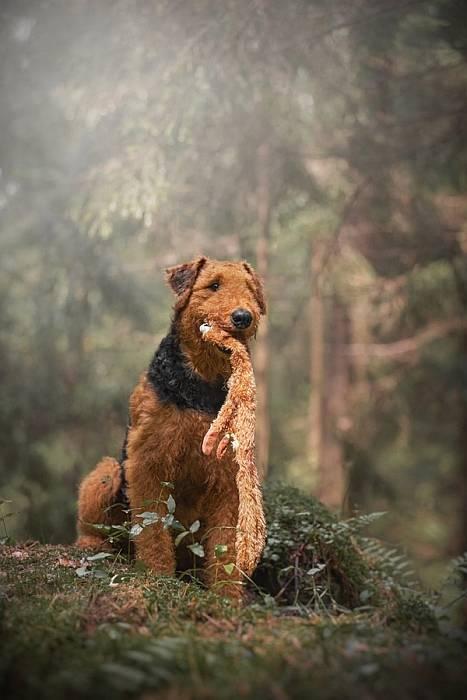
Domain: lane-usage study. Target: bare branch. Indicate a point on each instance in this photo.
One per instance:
(407, 346)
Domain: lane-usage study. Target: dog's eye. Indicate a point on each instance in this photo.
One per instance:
(214, 286)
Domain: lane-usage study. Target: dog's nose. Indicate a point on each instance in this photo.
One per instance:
(241, 318)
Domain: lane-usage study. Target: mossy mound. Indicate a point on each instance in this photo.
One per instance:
(315, 561)
(99, 625)
(310, 558)
(66, 635)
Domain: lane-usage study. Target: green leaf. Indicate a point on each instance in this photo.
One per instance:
(168, 520)
(99, 556)
(83, 571)
(228, 568)
(220, 549)
(99, 573)
(148, 515)
(171, 504)
(316, 569)
(197, 548)
(149, 518)
(136, 530)
(177, 525)
(194, 527)
(180, 537)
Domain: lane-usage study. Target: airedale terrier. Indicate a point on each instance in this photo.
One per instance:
(171, 410)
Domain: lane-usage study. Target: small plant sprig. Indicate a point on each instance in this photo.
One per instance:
(168, 521)
(88, 567)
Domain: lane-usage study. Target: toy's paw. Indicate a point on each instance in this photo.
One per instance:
(222, 446)
(209, 441)
(211, 438)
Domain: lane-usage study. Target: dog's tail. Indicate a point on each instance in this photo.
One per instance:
(99, 492)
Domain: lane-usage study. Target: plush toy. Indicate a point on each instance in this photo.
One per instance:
(235, 426)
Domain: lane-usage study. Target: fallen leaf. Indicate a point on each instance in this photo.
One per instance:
(19, 554)
(64, 561)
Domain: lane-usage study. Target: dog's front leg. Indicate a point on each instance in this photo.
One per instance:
(221, 528)
(154, 544)
(154, 547)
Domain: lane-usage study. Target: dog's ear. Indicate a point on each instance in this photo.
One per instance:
(181, 279)
(258, 287)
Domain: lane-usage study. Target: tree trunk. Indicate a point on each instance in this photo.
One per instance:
(332, 477)
(263, 209)
(459, 268)
(360, 334)
(463, 450)
(316, 358)
(355, 433)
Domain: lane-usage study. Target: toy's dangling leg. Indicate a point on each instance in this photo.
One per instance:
(235, 425)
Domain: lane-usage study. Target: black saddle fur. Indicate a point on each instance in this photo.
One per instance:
(175, 382)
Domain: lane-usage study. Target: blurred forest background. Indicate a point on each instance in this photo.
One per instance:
(323, 140)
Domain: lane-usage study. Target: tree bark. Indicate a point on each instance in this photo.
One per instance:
(355, 436)
(316, 358)
(332, 476)
(459, 268)
(262, 359)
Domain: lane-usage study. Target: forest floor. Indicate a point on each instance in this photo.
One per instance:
(79, 628)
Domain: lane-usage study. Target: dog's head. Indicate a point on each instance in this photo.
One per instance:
(229, 294)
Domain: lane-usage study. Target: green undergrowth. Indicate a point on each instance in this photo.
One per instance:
(331, 613)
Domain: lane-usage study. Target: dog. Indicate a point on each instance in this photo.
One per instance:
(170, 412)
